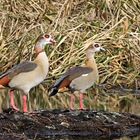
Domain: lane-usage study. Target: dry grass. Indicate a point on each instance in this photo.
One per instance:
(75, 24)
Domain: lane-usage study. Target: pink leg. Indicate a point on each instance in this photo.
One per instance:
(72, 100)
(2, 87)
(12, 103)
(81, 101)
(25, 103)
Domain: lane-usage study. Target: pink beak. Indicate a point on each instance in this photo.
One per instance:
(52, 41)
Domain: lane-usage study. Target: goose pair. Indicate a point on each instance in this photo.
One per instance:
(29, 74)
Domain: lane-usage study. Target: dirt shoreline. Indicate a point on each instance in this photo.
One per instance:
(53, 123)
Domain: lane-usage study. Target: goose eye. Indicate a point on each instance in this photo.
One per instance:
(47, 36)
(96, 45)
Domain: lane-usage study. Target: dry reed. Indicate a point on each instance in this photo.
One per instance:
(75, 24)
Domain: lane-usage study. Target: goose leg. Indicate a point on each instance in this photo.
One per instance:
(2, 87)
(25, 103)
(81, 101)
(72, 100)
(12, 103)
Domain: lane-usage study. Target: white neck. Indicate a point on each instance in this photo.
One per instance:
(43, 62)
(41, 43)
(39, 47)
(90, 55)
(92, 63)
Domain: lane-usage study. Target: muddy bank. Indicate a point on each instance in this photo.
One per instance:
(43, 124)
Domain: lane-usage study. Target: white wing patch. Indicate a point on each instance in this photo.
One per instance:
(84, 74)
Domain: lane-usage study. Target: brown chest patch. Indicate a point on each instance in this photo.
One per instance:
(65, 83)
(5, 80)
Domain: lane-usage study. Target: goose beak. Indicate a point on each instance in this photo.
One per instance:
(102, 49)
(52, 41)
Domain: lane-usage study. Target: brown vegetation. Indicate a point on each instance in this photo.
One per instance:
(75, 24)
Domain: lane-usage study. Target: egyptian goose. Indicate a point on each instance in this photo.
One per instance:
(28, 74)
(79, 78)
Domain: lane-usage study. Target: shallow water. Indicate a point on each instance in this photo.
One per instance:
(112, 101)
(91, 138)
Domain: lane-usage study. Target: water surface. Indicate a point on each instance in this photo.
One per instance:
(111, 101)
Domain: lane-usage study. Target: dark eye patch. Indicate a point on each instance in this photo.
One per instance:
(47, 36)
(96, 45)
